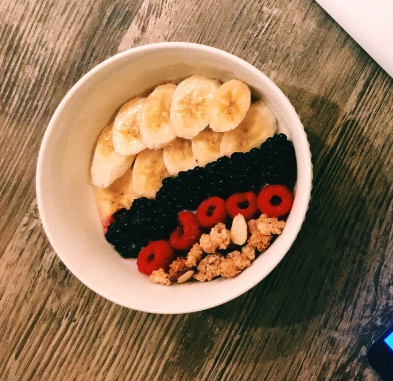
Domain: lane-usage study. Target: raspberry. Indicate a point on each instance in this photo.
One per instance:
(275, 200)
(156, 255)
(211, 211)
(188, 233)
(243, 203)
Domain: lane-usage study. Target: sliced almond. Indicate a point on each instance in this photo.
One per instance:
(239, 230)
(186, 276)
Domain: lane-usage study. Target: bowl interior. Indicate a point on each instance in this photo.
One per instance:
(65, 196)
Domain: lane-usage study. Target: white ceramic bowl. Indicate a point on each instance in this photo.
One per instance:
(65, 197)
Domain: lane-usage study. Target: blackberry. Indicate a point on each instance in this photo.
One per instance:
(128, 247)
(221, 187)
(224, 164)
(168, 181)
(123, 234)
(184, 176)
(278, 156)
(132, 229)
(237, 157)
(164, 194)
(142, 203)
(216, 180)
(187, 192)
(121, 216)
(274, 176)
(154, 219)
(210, 166)
(164, 223)
(194, 195)
(241, 182)
(254, 152)
(199, 181)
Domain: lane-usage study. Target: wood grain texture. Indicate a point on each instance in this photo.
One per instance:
(314, 315)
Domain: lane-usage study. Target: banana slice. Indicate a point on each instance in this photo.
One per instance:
(178, 156)
(107, 164)
(229, 106)
(258, 125)
(118, 195)
(189, 104)
(149, 170)
(127, 138)
(155, 123)
(206, 146)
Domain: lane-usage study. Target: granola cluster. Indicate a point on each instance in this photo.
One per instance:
(219, 238)
(206, 260)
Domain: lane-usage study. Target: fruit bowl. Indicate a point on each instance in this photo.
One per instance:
(65, 195)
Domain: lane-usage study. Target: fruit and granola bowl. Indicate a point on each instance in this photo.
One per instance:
(178, 165)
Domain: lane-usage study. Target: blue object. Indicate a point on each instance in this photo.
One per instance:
(389, 340)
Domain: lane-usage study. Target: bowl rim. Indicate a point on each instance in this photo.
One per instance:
(303, 198)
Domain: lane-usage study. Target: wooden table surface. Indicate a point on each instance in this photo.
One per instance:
(314, 315)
